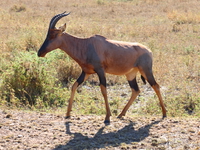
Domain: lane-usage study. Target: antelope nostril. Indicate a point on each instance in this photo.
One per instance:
(38, 54)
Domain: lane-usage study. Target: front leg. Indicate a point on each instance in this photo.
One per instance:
(80, 80)
(102, 80)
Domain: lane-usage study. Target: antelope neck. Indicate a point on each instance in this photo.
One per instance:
(75, 47)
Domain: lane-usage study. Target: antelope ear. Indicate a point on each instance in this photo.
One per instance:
(62, 28)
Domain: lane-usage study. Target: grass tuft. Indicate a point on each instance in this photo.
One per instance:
(18, 8)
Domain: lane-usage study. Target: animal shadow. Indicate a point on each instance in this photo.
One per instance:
(101, 140)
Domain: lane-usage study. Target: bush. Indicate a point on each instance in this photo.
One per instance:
(28, 83)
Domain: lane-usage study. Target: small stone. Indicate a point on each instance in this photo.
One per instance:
(20, 136)
(8, 116)
(154, 142)
(175, 122)
(191, 131)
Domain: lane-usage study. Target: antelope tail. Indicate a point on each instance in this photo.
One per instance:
(143, 79)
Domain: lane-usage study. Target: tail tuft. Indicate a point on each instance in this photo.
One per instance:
(143, 79)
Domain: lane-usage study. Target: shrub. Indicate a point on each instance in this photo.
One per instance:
(27, 83)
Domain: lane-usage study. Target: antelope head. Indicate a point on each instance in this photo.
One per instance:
(53, 39)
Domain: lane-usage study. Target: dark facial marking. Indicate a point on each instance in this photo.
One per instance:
(43, 47)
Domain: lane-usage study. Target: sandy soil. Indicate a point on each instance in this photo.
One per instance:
(33, 130)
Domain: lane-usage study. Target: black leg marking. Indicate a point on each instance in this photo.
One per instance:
(67, 117)
(102, 77)
(152, 82)
(150, 78)
(81, 78)
(103, 81)
(133, 84)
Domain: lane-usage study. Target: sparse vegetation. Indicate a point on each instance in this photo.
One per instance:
(38, 130)
(170, 28)
(18, 8)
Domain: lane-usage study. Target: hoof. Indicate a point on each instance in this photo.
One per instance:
(119, 117)
(67, 117)
(107, 121)
(164, 117)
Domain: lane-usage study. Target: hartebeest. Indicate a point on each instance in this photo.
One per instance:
(100, 55)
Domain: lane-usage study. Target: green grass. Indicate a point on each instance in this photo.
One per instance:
(170, 29)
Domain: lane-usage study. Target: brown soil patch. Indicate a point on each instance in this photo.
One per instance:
(32, 130)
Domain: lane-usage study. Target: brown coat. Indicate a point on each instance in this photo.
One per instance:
(100, 55)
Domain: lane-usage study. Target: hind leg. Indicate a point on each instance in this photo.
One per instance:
(148, 75)
(131, 77)
(156, 88)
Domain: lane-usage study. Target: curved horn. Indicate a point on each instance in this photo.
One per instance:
(55, 19)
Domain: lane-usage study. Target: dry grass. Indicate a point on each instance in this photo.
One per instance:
(170, 28)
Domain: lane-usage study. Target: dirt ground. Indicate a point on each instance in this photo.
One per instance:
(34, 130)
